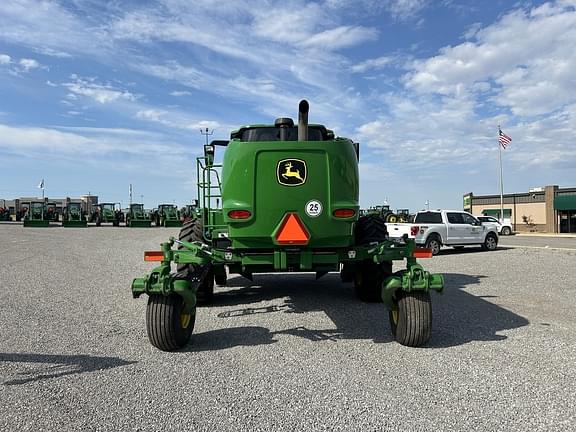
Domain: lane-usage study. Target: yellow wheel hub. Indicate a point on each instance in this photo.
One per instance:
(185, 320)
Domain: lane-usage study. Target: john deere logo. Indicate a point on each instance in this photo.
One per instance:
(291, 172)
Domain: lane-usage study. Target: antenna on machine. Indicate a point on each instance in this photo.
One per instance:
(207, 132)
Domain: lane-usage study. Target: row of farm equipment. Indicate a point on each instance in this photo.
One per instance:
(384, 212)
(73, 215)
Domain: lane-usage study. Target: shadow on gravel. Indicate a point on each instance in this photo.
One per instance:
(459, 317)
(56, 366)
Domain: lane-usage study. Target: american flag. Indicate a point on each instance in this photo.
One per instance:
(503, 139)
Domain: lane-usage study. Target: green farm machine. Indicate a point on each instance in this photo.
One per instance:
(35, 216)
(137, 217)
(167, 215)
(107, 213)
(289, 203)
(5, 212)
(73, 216)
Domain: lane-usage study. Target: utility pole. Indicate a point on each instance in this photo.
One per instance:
(501, 180)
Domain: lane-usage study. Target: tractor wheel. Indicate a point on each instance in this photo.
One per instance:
(168, 328)
(490, 242)
(391, 218)
(191, 232)
(411, 318)
(506, 231)
(369, 275)
(434, 244)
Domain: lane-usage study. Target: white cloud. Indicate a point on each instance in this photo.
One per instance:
(5, 59)
(28, 64)
(528, 55)
(101, 93)
(175, 120)
(405, 9)
(179, 93)
(340, 37)
(375, 63)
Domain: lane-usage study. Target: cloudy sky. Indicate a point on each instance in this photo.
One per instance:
(97, 95)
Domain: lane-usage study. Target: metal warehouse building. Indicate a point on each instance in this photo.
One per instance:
(547, 209)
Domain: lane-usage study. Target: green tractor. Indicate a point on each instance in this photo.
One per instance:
(289, 199)
(167, 215)
(51, 212)
(137, 217)
(73, 216)
(189, 212)
(107, 213)
(35, 215)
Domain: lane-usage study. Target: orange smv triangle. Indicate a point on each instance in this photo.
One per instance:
(292, 231)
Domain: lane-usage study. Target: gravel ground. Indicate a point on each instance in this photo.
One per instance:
(285, 352)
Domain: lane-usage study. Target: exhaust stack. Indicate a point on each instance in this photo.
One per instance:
(303, 108)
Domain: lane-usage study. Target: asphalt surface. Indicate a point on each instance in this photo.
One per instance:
(285, 352)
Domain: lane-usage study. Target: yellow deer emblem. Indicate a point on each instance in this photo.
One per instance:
(289, 173)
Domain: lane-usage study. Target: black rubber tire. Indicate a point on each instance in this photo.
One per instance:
(369, 275)
(506, 231)
(221, 279)
(411, 318)
(165, 324)
(434, 243)
(191, 232)
(490, 242)
(347, 273)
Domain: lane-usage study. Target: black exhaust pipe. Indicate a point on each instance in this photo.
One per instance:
(303, 108)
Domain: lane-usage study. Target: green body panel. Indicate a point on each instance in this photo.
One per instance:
(249, 182)
(36, 223)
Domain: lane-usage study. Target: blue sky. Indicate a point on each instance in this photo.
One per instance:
(97, 95)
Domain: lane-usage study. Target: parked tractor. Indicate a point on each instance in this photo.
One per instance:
(289, 203)
(73, 216)
(35, 215)
(167, 215)
(107, 213)
(137, 217)
(5, 213)
(189, 212)
(51, 212)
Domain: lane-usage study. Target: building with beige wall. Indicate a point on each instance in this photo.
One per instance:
(548, 209)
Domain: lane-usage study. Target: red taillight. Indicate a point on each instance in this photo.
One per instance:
(414, 230)
(239, 214)
(344, 213)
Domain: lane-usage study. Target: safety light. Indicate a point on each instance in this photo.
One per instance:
(344, 213)
(239, 214)
(414, 230)
(422, 253)
(153, 256)
(292, 231)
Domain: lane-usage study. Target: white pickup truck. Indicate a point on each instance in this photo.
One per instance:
(436, 228)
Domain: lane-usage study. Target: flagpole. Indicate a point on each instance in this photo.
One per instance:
(501, 177)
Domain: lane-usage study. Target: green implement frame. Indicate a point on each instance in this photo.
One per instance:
(35, 215)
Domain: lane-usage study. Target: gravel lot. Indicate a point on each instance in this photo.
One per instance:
(285, 352)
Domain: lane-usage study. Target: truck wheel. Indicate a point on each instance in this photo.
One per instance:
(411, 318)
(433, 243)
(506, 231)
(490, 242)
(192, 232)
(168, 328)
(369, 275)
